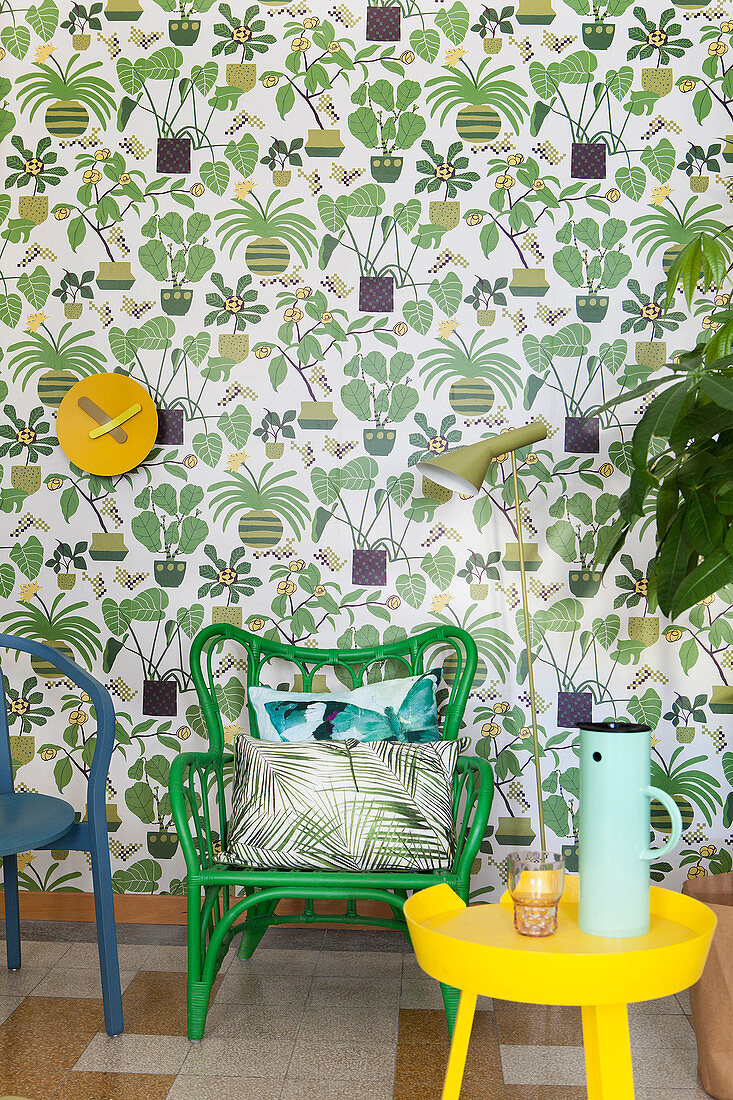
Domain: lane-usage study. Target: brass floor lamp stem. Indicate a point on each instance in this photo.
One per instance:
(528, 641)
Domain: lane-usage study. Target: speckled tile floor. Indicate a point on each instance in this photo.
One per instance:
(314, 1015)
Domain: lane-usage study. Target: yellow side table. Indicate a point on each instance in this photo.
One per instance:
(475, 949)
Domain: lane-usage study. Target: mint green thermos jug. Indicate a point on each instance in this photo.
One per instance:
(614, 852)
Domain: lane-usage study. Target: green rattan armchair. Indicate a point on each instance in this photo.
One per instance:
(224, 901)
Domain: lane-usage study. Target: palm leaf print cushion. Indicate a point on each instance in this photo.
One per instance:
(342, 806)
(400, 710)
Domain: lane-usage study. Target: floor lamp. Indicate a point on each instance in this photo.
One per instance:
(463, 471)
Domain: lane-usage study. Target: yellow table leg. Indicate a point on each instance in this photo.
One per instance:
(607, 1052)
(459, 1047)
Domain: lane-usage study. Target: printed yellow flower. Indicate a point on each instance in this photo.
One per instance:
(711, 323)
(125, 178)
(726, 28)
(33, 321)
(61, 214)
(505, 182)
(300, 45)
(659, 194)
(334, 47)
(256, 624)
(319, 590)
(235, 461)
(230, 732)
(234, 304)
(227, 576)
(49, 753)
(641, 587)
(190, 461)
(311, 22)
(399, 329)
(286, 588)
(407, 57)
(92, 176)
(501, 708)
(197, 190)
(538, 185)
(717, 49)
(722, 299)
(525, 733)
(43, 52)
(707, 851)
(440, 602)
(708, 600)
(102, 154)
(657, 38)
(24, 858)
(687, 84)
(394, 602)
(438, 444)
(613, 194)
(490, 729)
(606, 469)
(445, 171)
(84, 697)
(697, 872)
(514, 159)
(293, 314)
(243, 188)
(28, 591)
(452, 57)
(531, 459)
(326, 318)
(651, 311)
(673, 634)
(19, 706)
(446, 328)
(475, 217)
(269, 80)
(54, 483)
(303, 292)
(296, 566)
(183, 733)
(78, 718)
(241, 34)
(263, 352)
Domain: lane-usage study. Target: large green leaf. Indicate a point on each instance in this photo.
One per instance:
(705, 579)
(561, 538)
(425, 42)
(660, 159)
(419, 315)
(35, 287)
(447, 293)
(646, 709)
(243, 155)
(28, 557)
(412, 588)
(568, 264)
(453, 22)
(44, 19)
(146, 529)
(556, 815)
(193, 532)
(231, 698)
(139, 800)
(236, 425)
(153, 256)
(440, 567)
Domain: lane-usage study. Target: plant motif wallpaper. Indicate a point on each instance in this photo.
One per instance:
(332, 240)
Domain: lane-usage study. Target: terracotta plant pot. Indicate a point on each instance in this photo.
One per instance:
(574, 707)
(317, 416)
(471, 397)
(260, 529)
(66, 118)
(445, 213)
(591, 308)
(47, 669)
(478, 124)
(33, 208)
(324, 143)
(478, 591)
(582, 436)
(535, 13)
(658, 81)
(118, 11)
(176, 302)
(170, 427)
(162, 843)
(274, 449)
(529, 282)
(532, 559)
(644, 628)
(242, 76)
(588, 160)
(183, 32)
(515, 832)
(485, 317)
(234, 346)
(53, 386)
(66, 581)
(598, 36)
(369, 568)
(173, 156)
(116, 275)
(685, 734)
(383, 24)
(721, 699)
(169, 574)
(232, 616)
(73, 310)
(493, 45)
(433, 491)
(108, 546)
(386, 169)
(81, 42)
(160, 698)
(267, 256)
(379, 441)
(281, 177)
(376, 293)
(699, 184)
(584, 583)
(651, 353)
(27, 479)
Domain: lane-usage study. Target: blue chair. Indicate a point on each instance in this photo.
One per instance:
(38, 821)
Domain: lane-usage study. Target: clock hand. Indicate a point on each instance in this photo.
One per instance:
(88, 406)
(123, 417)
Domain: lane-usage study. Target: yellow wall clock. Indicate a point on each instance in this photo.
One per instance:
(107, 424)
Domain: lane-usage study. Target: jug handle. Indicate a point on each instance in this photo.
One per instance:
(676, 817)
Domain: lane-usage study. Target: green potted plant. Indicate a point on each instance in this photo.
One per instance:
(447, 173)
(280, 156)
(79, 22)
(238, 305)
(683, 713)
(429, 442)
(489, 22)
(266, 502)
(71, 94)
(71, 287)
(482, 97)
(478, 571)
(171, 522)
(579, 538)
(379, 393)
(662, 38)
(598, 34)
(698, 158)
(32, 437)
(59, 626)
(274, 425)
(635, 588)
(269, 229)
(176, 252)
(230, 575)
(64, 559)
(184, 28)
(243, 36)
(594, 259)
(72, 358)
(41, 170)
(148, 799)
(485, 292)
(667, 227)
(387, 118)
(647, 313)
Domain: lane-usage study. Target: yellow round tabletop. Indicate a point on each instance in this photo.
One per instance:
(107, 424)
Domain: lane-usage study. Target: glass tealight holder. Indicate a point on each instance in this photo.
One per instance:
(536, 881)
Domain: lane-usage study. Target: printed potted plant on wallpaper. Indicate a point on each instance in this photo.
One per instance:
(227, 575)
(72, 358)
(70, 286)
(79, 22)
(592, 258)
(38, 169)
(64, 559)
(489, 22)
(647, 312)
(176, 252)
(171, 522)
(148, 799)
(431, 441)
(24, 709)
(383, 120)
(698, 158)
(160, 690)
(448, 174)
(68, 94)
(238, 306)
(32, 438)
(280, 154)
(478, 571)
(261, 504)
(244, 37)
(635, 588)
(483, 294)
(59, 626)
(274, 425)
(582, 538)
(380, 393)
(482, 98)
(269, 230)
(684, 712)
(662, 38)
(598, 35)
(667, 227)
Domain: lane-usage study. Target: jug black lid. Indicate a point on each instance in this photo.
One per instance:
(613, 725)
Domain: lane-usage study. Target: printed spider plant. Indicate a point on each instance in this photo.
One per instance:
(261, 503)
(269, 229)
(230, 575)
(666, 226)
(58, 626)
(39, 168)
(686, 784)
(483, 97)
(456, 359)
(73, 93)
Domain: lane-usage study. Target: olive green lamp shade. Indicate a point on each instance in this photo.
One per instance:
(464, 469)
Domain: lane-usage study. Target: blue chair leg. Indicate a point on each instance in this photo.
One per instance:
(12, 912)
(106, 934)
